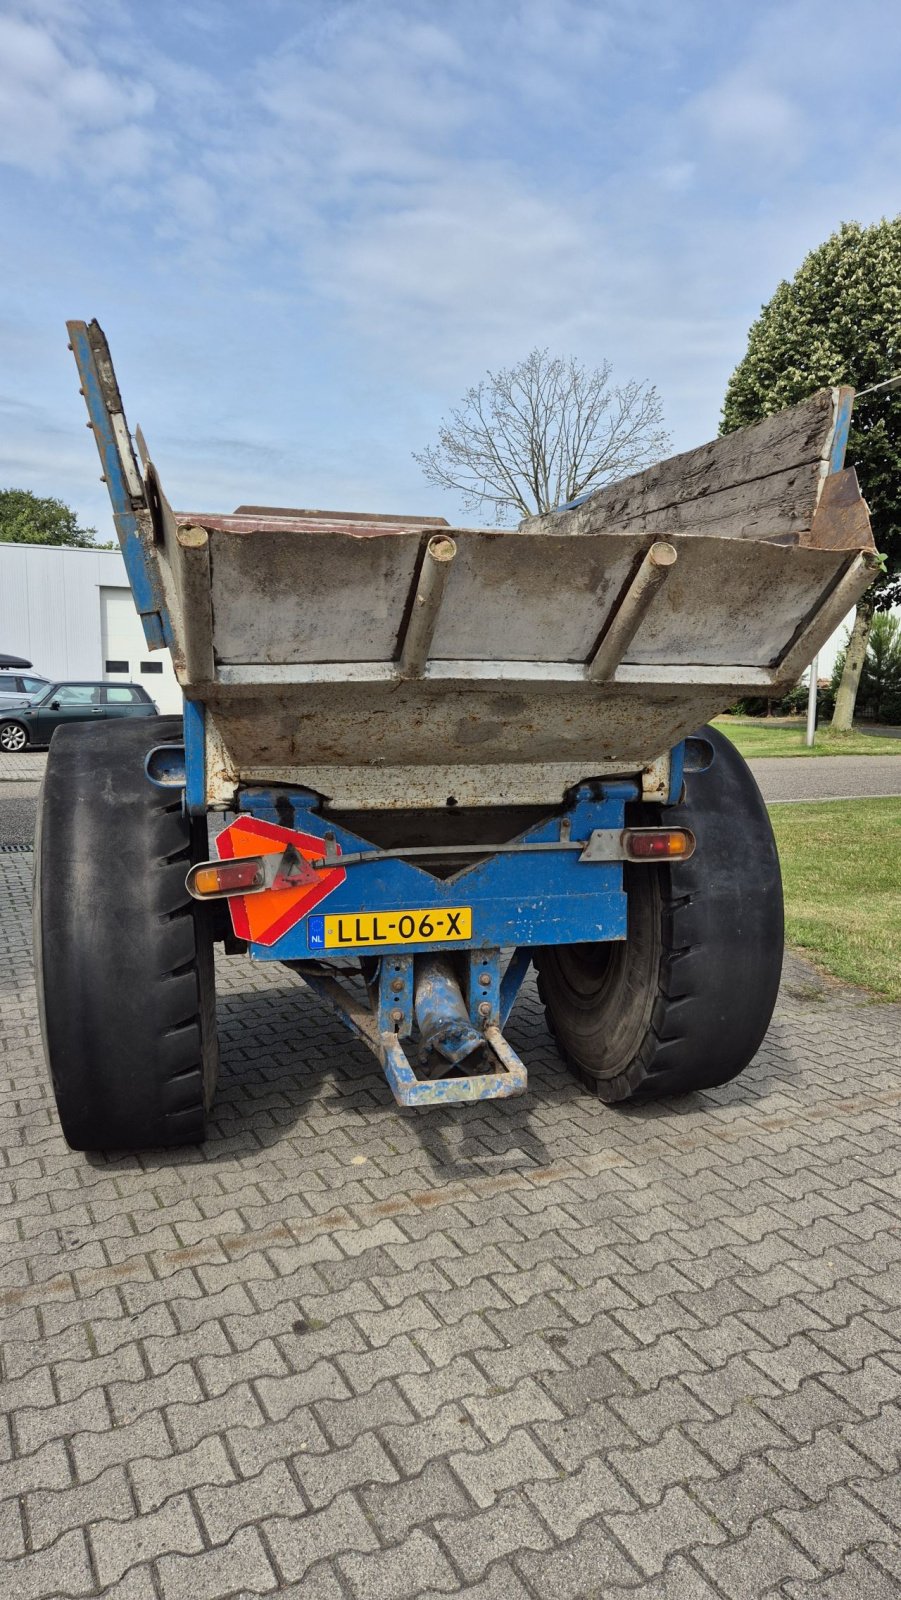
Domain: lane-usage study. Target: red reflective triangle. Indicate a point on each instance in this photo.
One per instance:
(263, 918)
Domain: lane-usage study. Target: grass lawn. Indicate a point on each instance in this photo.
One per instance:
(841, 866)
(763, 736)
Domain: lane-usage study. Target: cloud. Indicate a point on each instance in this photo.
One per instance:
(749, 120)
(334, 218)
(57, 110)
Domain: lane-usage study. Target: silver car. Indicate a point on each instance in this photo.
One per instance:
(19, 686)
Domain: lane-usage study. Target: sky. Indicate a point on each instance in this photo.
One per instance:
(308, 226)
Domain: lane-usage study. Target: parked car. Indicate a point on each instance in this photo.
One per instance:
(35, 722)
(18, 686)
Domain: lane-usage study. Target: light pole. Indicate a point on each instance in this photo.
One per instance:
(812, 703)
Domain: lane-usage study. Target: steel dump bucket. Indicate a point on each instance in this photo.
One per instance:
(394, 662)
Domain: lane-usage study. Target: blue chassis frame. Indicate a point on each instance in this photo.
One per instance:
(527, 898)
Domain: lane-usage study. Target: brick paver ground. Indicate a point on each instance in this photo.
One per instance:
(25, 767)
(535, 1348)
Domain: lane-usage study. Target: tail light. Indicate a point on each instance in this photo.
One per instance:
(658, 844)
(216, 880)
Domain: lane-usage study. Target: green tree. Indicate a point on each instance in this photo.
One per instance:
(880, 678)
(27, 518)
(839, 321)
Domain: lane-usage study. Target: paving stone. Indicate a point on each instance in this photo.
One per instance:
(154, 1480)
(300, 1543)
(61, 1569)
(413, 1445)
(35, 1425)
(383, 1407)
(878, 1438)
(486, 1473)
(117, 1446)
(571, 1499)
(671, 1404)
(651, 1469)
(46, 1468)
(840, 1522)
(678, 1523)
(756, 1564)
(195, 1420)
(252, 1448)
(396, 1508)
(120, 1545)
(479, 1538)
(497, 1415)
(589, 1564)
(661, 1346)
(12, 1530)
(428, 1392)
(323, 1475)
(239, 1567)
(399, 1573)
(754, 1489)
(501, 1583)
(859, 1575)
(388, 1361)
(53, 1512)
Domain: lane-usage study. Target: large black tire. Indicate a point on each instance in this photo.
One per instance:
(684, 1002)
(123, 956)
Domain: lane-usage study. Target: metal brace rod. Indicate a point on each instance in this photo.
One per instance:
(359, 857)
(652, 573)
(433, 576)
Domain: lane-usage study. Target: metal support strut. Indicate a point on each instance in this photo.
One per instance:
(426, 988)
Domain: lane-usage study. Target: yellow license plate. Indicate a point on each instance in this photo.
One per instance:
(350, 930)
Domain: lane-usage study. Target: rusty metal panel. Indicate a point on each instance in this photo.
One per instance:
(302, 596)
(283, 599)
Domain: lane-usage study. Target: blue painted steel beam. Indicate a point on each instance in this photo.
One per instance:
(841, 430)
(513, 980)
(195, 757)
(524, 899)
(97, 390)
(395, 995)
(676, 773)
(408, 1090)
(485, 986)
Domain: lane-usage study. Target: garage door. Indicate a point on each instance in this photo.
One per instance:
(126, 658)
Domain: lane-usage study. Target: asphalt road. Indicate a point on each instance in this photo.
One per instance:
(17, 809)
(827, 777)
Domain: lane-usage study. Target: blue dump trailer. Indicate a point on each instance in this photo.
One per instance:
(434, 758)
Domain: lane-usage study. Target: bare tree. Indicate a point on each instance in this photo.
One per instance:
(534, 436)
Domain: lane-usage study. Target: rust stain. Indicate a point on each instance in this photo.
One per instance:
(26, 1291)
(292, 1229)
(189, 1255)
(841, 520)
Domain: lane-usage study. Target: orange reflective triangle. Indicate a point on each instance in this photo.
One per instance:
(263, 918)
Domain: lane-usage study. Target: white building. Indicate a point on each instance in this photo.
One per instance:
(70, 612)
